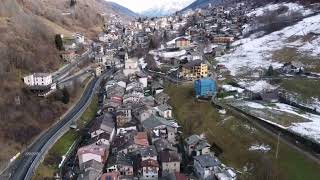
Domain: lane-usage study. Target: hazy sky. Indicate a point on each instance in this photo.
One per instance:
(142, 5)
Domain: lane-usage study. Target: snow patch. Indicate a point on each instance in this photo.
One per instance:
(229, 88)
(142, 63)
(260, 147)
(257, 86)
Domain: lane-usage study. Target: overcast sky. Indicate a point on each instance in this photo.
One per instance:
(143, 5)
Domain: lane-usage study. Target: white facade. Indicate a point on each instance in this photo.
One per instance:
(150, 172)
(89, 156)
(144, 81)
(79, 38)
(101, 59)
(38, 79)
(131, 66)
(166, 114)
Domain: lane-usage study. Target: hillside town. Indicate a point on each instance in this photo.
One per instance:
(136, 134)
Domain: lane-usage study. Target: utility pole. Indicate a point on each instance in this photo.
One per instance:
(277, 152)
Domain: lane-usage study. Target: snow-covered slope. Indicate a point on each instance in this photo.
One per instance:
(166, 7)
(254, 53)
(272, 7)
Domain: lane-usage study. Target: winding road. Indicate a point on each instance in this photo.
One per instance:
(24, 167)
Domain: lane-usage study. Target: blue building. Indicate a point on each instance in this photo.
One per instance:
(205, 87)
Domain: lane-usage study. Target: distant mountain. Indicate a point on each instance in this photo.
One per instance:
(121, 10)
(202, 3)
(166, 7)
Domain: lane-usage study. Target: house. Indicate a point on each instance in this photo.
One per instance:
(127, 110)
(148, 101)
(149, 169)
(130, 142)
(149, 152)
(38, 79)
(115, 90)
(141, 140)
(91, 165)
(223, 39)
(98, 70)
(156, 87)
(161, 98)
(170, 162)
(102, 139)
(143, 112)
(292, 67)
(110, 176)
(205, 87)
(103, 124)
(205, 166)
(143, 81)
(165, 111)
(92, 152)
(89, 175)
(69, 44)
(112, 104)
(122, 164)
(176, 176)
(194, 69)
(182, 42)
(196, 145)
(122, 119)
(164, 145)
(100, 59)
(132, 98)
(158, 127)
(79, 38)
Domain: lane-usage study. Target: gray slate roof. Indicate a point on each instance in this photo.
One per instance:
(148, 151)
(207, 160)
(155, 121)
(91, 165)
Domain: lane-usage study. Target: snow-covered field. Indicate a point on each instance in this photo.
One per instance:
(309, 128)
(257, 86)
(256, 53)
(272, 7)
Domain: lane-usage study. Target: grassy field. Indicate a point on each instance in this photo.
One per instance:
(49, 166)
(305, 88)
(234, 136)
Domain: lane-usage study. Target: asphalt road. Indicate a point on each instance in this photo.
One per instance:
(65, 71)
(25, 163)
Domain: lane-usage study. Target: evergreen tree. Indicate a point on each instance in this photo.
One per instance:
(66, 96)
(73, 2)
(59, 42)
(165, 36)
(270, 71)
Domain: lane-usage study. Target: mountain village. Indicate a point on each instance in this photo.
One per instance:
(135, 134)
